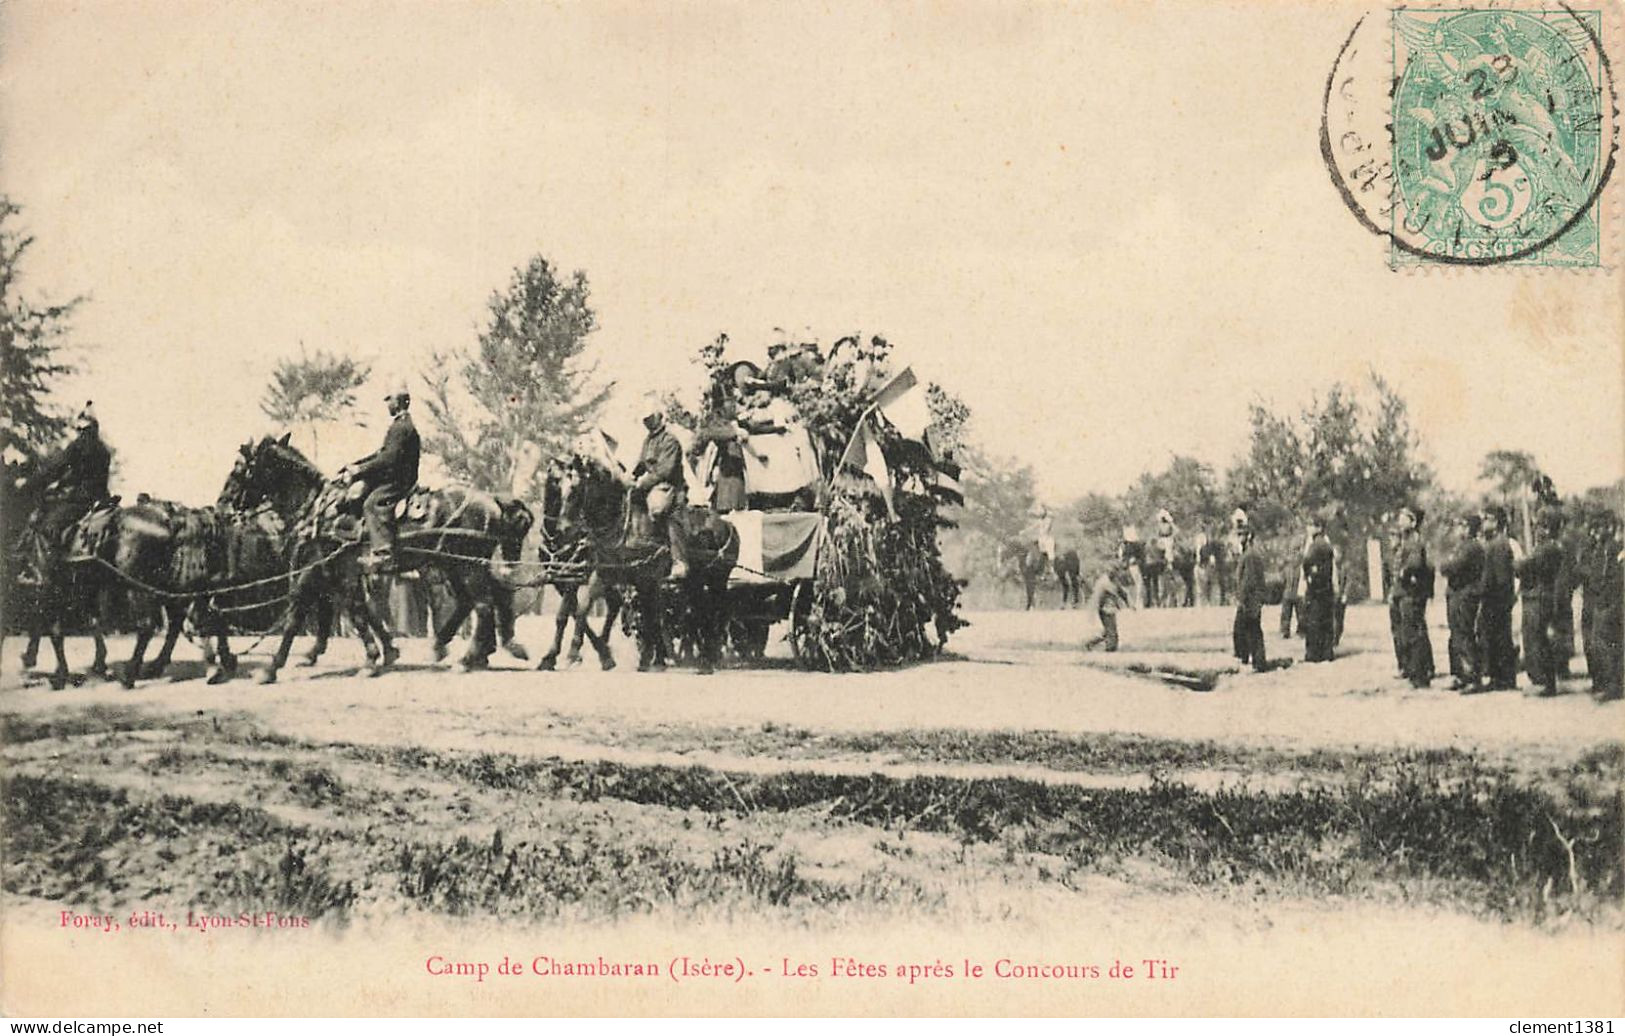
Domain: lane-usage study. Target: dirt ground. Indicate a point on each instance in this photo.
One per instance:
(1317, 838)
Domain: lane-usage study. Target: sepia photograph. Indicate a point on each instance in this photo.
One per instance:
(916, 508)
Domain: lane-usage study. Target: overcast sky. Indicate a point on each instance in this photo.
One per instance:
(1107, 228)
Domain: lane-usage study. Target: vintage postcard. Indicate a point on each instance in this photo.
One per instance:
(902, 508)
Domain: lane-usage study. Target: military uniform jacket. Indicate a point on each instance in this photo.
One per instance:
(79, 469)
(1498, 570)
(1319, 564)
(1250, 579)
(660, 461)
(396, 462)
(1415, 575)
(1537, 574)
(1465, 568)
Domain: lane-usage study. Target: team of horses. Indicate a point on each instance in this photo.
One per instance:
(281, 549)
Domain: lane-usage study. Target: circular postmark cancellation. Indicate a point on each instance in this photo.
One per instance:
(1475, 136)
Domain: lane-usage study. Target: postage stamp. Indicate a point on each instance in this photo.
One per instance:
(1497, 136)
(1476, 136)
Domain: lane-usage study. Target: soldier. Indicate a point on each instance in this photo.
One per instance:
(1109, 595)
(659, 488)
(1603, 608)
(1413, 587)
(1499, 658)
(1292, 590)
(1538, 592)
(1247, 633)
(389, 475)
(1464, 573)
(1319, 600)
(72, 480)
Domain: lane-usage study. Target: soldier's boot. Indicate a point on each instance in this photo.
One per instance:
(679, 550)
(381, 534)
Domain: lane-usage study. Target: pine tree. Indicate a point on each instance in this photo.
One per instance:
(32, 342)
(522, 386)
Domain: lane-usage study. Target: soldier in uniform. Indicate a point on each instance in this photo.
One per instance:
(1464, 572)
(1413, 586)
(1247, 633)
(1318, 619)
(1602, 612)
(72, 480)
(1500, 656)
(1538, 592)
(389, 475)
(659, 488)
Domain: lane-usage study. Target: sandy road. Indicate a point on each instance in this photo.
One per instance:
(1011, 671)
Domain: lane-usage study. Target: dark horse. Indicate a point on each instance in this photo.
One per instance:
(1029, 564)
(1069, 570)
(594, 506)
(455, 532)
(43, 595)
(566, 550)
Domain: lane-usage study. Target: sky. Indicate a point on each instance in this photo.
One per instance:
(1106, 227)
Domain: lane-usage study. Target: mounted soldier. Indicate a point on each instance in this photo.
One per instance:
(71, 481)
(388, 476)
(660, 490)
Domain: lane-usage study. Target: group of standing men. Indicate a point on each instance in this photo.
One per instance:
(1488, 572)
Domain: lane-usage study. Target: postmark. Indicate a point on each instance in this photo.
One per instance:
(1475, 136)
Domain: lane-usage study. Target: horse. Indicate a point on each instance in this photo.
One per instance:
(454, 532)
(1182, 563)
(567, 545)
(1030, 566)
(40, 589)
(1068, 569)
(595, 503)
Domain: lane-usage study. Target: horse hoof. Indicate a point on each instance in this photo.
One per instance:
(307, 661)
(571, 661)
(30, 659)
(392, 655)
(58, 682)
(373, 669)
(548, 663)
(127, 681)
(228, 664)
(440, 652)
(516, 650)
(266, 676)
(218, 675)
(471, 665)
(606, 663)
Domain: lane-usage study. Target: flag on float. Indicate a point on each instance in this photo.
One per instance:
(864, 454)
(907, 410)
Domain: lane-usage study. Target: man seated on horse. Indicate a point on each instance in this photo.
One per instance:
(71, 481)
(659, 488)
(388, 475)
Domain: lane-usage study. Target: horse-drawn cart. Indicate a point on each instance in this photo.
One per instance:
(773, 580)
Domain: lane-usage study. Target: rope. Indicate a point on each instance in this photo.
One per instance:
(192, 595)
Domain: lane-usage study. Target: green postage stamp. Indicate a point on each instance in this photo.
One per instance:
(1502, 136)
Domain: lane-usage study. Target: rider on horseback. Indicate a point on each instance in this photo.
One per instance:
(388, 476)
(660, 489)
(71, 481)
